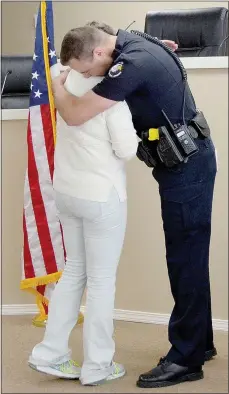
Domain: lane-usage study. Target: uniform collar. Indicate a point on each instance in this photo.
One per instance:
(121, 38)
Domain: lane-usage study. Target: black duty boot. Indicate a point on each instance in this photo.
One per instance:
(168, 374)
(209, 355)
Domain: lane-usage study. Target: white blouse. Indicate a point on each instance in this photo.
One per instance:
(90, 159)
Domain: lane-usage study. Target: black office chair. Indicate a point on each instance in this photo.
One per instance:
(198, 32)
(17, 87)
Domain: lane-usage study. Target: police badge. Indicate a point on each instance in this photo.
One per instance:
(116, 70)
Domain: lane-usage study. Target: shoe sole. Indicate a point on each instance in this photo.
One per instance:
(53, 372)
(186, 378)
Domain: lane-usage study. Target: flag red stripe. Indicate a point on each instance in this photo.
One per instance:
(28, 265)
(48, 135)
(39, 210)
(49, 143)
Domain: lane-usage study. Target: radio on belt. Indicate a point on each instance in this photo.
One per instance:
(183, 136)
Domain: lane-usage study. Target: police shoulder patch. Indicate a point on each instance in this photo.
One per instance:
(116, 70)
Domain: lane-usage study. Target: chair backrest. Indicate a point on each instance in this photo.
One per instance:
(17, 87)
(198, 32)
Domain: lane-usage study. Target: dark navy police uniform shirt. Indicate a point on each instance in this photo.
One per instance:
(148, 78)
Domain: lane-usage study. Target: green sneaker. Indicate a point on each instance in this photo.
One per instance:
(117, 372)
(67, 370)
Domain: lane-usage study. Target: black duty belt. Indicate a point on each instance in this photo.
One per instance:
(172, 146)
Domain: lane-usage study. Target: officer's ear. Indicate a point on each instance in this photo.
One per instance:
(98, 52)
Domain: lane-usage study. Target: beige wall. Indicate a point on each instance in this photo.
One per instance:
(14, 156)
(18, 22)
(142, 278)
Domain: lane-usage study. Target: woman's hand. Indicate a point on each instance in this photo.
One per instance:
(171, 44)
(60, 80)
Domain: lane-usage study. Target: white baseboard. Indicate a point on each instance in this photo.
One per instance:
(119, 314)
(19, 309)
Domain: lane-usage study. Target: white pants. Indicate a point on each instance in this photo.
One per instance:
(93, 235)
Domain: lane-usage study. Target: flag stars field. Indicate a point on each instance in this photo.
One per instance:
(38, 94)
(35, 75)
(52, 53)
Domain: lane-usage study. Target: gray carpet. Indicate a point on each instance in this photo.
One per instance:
(138, 347)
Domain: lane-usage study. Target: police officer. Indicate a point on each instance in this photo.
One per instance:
(150, 80)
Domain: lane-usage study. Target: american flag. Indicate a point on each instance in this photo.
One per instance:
(43, 256)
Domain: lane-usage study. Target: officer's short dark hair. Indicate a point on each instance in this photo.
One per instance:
(102, 26)
(80, 42)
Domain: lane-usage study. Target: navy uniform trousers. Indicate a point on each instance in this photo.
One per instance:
(186, 193)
